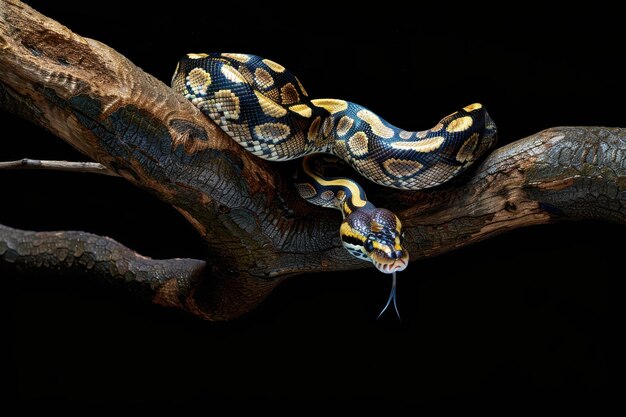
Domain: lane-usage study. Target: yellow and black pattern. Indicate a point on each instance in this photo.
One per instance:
(368, 233)
(265, 108)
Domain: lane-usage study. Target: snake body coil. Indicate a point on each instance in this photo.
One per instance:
(265, 108)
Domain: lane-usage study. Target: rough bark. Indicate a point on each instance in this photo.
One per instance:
(258, 231)
(102, 258)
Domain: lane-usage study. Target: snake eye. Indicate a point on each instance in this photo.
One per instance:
(369, 244)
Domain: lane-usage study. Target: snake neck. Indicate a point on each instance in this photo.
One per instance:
(367, 232)
(340, 193)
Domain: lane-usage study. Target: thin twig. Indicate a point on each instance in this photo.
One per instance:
(87, 167)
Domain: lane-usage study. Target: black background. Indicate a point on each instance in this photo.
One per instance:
(531, 319)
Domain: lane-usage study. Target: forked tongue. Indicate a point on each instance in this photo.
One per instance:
(392, 297)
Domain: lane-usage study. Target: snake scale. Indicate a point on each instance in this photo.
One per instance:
(265, 108)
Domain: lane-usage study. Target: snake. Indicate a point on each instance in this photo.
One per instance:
(265, 109)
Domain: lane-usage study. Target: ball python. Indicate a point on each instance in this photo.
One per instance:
(265, 108)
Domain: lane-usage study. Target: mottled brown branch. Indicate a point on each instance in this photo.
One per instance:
(187, 284)
(84, 167)
(258, 231)
(83, 253)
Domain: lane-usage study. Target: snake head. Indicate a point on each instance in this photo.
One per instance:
(375, 234)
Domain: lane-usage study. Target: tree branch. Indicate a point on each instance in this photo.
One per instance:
(85, 167)
(168, 282)
(562, 173)
(258, 231)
